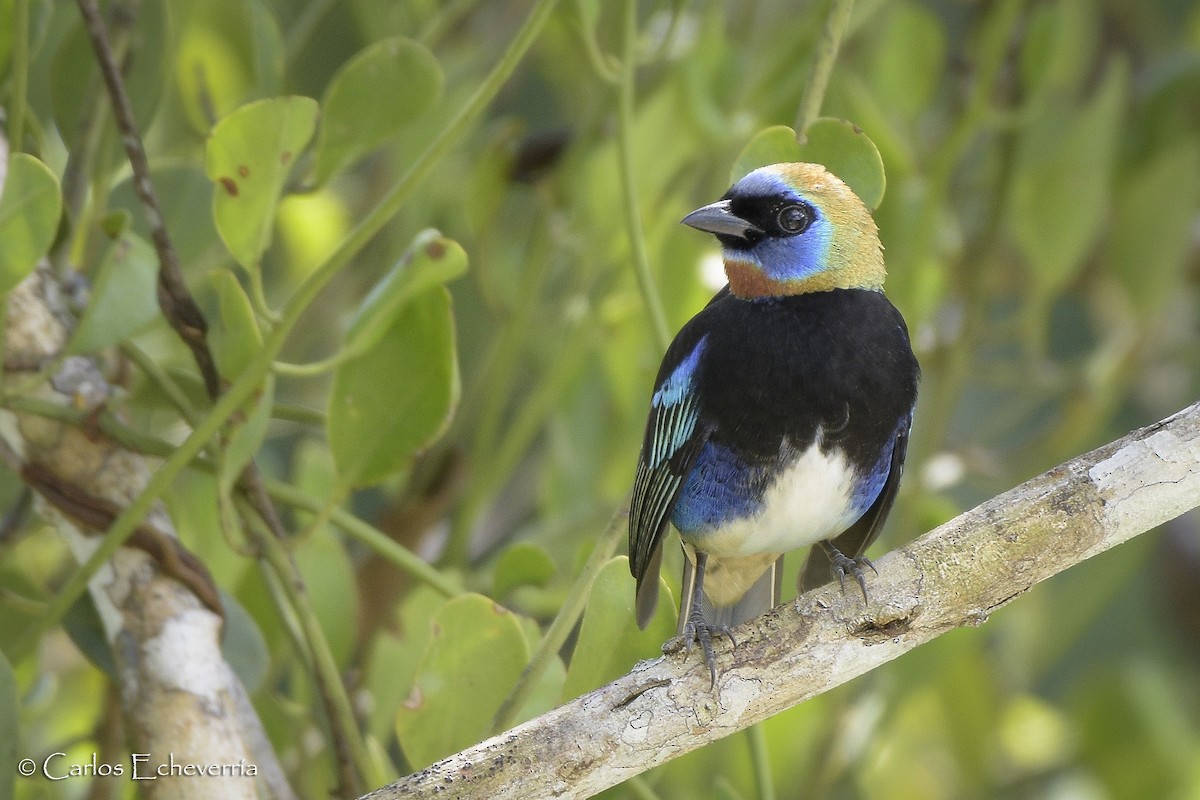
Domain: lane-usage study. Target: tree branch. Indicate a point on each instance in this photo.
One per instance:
(952, 577)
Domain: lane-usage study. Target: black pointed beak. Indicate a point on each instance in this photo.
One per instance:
(719, 219)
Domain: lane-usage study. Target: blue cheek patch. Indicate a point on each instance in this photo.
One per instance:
(721, 487)
(797, 257)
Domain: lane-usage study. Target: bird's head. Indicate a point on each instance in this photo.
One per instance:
(793, 228)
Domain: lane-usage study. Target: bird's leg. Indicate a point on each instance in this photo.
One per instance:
(842, 565)
(697, 629)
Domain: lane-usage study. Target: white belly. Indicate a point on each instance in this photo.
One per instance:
(809, 502)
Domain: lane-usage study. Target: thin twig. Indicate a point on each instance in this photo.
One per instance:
(176, 301)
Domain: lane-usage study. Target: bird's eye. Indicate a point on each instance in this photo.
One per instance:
(793, 219)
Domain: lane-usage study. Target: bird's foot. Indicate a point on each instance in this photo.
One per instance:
(696, 629)
(843, 565)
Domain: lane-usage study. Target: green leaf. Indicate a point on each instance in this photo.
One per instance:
(1154, 214)
(10, 727)
(850, 154)
(233, 333)
(312, 473)
(329, 578)
(355, 121)
(476, 652)
(908, 60)
(185, 198)
(29, 210)
(431, 260)
(86, 631)
(192, 504)
(124, 296)
(235, 339)
(838, 145)
(226, 52)
(246, 434)
(547, 692)
(522, 564)
(609, 639)
(1061, 189)
(392, 666)
(388, 689)
(774, 145)
(250, 153)
(1058, 46)
(73, 73)
(243, 645)
(397, 397)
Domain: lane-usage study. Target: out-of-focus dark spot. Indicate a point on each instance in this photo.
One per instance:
(538, 153)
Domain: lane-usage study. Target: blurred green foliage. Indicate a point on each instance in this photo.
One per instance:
(1040, 221)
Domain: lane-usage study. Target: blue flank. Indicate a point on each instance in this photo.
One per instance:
(721, 487)
(867, 487)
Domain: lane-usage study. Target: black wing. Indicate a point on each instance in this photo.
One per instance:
(675, 434)
(859, 536)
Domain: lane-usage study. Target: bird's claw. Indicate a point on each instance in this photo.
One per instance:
(697, 630)
(842, 565)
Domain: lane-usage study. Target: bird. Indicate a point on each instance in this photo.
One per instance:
(781, 413)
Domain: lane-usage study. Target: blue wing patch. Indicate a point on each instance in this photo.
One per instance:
(673, 410)
(674, 436)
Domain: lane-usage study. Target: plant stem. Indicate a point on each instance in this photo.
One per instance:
(563, 624)
(506, 454)
(602, 63)
(302, 415)
(313, 368)
(18, 97)
(822, 67)
(159, 377)
(369, 535)
(305, 25)
(343, 725)
(108, 424)
(761, 761)
(448, 14)
(633, 218)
